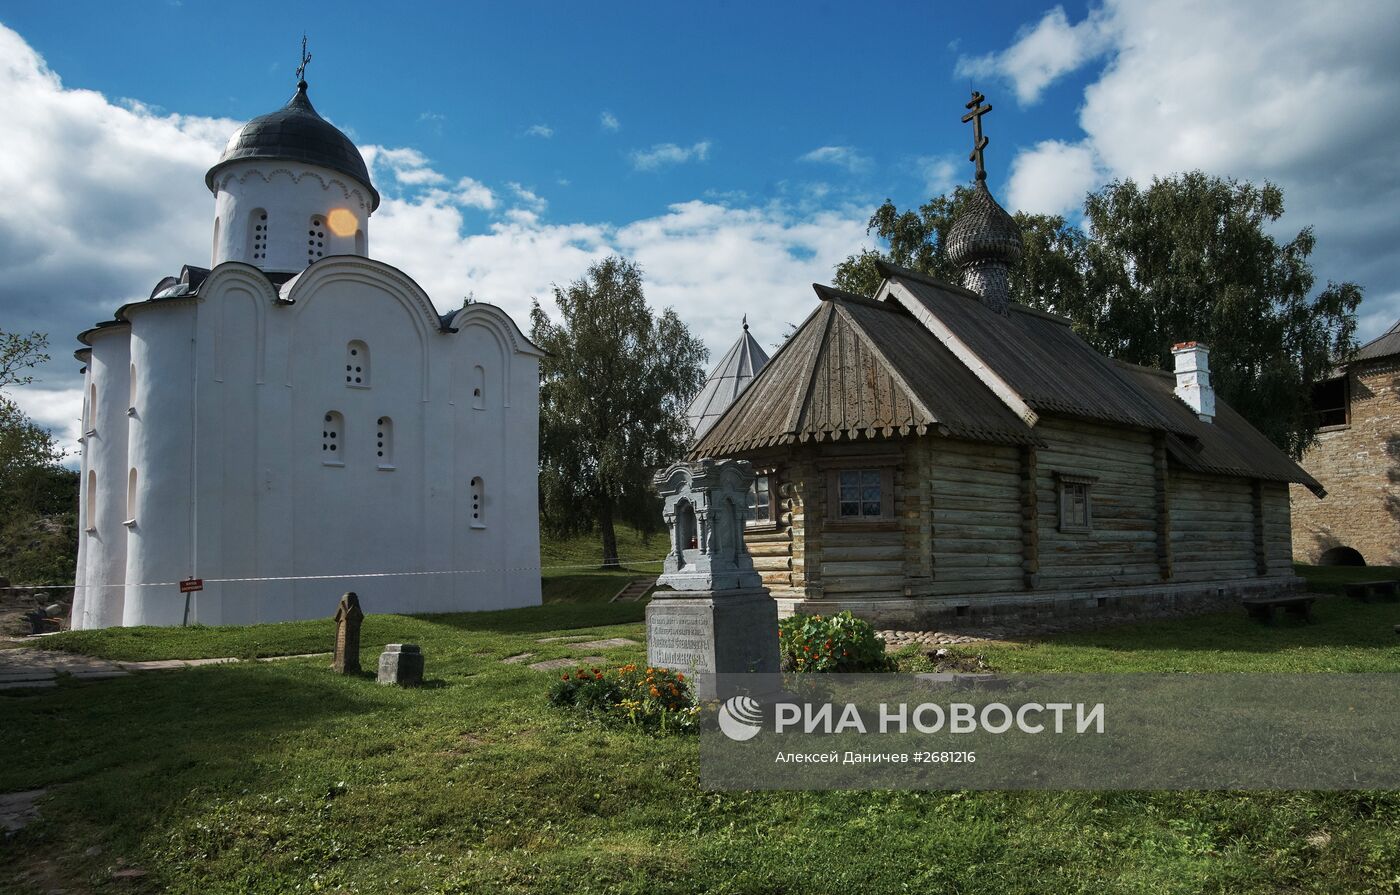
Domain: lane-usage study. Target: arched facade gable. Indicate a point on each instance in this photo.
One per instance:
(237, 276)
(492, 317)
(350, 191)
(303, 291)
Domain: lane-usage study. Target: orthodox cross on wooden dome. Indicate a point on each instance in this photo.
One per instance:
(979, 142)
(305, 59)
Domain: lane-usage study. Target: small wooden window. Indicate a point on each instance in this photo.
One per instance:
(1331, 402)
(1076, 502)
(860, 495)
(760, 504)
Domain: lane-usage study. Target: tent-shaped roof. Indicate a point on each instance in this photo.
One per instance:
(858, 368)
(726, 382)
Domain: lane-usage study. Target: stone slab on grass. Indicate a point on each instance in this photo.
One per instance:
(567, 664)
(517, 659)
(17, 809)
(29, 685)
(562, 639)
(610, 643)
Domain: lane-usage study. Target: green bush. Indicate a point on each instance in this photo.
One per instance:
(656, 699)
(839, 643)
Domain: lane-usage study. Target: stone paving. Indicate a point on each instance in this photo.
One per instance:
(17, 809)
(610, 643)
(567, 664)
(36, 669)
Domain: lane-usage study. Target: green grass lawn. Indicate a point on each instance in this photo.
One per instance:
(281, 777)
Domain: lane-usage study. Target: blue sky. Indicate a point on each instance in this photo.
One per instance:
(762, 83)
(735, 150)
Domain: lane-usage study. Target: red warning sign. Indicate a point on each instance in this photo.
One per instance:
(189, 585)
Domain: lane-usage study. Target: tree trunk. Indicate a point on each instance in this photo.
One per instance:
(605, 523)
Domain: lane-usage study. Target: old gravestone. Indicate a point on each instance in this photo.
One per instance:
(719, 618)
(348, 617)
(402, 664)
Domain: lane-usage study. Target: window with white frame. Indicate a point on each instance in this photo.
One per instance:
(760, 504)
(131, 496)
(1076, 501)
(333, 439)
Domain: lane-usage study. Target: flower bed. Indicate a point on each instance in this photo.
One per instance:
(835, 643)
(656, 699)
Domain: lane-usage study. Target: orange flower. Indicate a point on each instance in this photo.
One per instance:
(566, 677)
(651, 670)
(680, 677)
(598, 676)
(655, 692)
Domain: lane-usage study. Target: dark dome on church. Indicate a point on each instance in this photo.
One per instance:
(984, 232)
(296, 133)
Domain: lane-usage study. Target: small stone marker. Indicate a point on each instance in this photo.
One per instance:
(348, 617)
(402, 664)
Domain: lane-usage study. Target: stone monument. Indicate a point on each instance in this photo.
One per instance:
(718, 618)
(402, 664)
(347, 635)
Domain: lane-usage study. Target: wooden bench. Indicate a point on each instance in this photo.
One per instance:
(1374, 591)
(1262, 608)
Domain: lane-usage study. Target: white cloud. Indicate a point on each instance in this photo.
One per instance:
(101, 201)
(841, 156)
(1053, 177)
(539, 130)
(1281, 90)
(939, 173)
(408, 167)
(608, 121)
(1041, 53)
(663, 154)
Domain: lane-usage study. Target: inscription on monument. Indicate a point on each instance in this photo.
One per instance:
(680, 636)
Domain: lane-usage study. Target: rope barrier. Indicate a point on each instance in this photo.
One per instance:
(341, 576)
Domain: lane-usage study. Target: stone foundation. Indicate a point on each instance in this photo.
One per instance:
(1108, 604)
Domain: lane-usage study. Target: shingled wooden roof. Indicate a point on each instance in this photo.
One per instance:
(1227, 445)
(929, 356)
(857, 368)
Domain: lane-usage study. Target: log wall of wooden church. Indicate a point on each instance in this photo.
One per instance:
(1121, 547)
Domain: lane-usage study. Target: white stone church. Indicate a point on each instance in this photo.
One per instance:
(297, 417)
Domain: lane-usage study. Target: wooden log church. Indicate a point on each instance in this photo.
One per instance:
(936, 452)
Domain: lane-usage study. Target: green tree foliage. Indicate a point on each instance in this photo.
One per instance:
(1190, 257)
(613, 394)
(38, 496)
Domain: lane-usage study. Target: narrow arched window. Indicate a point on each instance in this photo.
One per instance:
(90, 510)
(92, 408)
(131, 495)
(333, 439)
(479, 387)
(131, 391)
(478, 503)
(316, 238)
(384, 442)
(359, 242)
(357, 364)
(257, 234)
(214, 252)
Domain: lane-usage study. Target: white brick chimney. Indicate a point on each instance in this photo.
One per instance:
(1193, 378)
